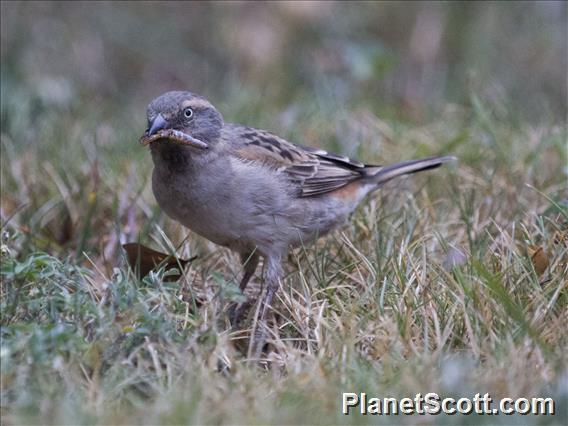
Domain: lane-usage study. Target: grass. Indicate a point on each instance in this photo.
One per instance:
(431, 287)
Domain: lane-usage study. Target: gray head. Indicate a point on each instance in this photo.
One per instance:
(182, 118)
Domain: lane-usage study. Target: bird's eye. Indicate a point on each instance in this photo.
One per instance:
(188, 113)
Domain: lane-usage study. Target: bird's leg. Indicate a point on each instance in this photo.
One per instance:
(272, 277)
(250, 263)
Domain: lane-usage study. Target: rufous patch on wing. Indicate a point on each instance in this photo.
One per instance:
(350, 192)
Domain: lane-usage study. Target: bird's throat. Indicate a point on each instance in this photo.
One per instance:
(176, 158)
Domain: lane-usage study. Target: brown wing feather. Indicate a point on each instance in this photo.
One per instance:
(314, 171)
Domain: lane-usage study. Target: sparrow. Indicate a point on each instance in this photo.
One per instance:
(250, 190)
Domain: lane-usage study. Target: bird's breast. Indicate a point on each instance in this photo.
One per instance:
(198, 201)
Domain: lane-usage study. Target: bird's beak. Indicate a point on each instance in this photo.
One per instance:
(158, 130)
(158, 124)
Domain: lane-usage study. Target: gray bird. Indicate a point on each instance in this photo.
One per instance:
(250, 190)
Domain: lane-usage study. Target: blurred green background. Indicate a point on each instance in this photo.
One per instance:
(398, 57)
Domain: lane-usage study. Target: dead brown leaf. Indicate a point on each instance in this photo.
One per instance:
(145, 259)
(539, 258)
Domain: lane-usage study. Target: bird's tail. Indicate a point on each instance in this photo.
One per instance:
(381, 175)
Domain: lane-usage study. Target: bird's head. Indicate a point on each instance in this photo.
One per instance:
(182, 118)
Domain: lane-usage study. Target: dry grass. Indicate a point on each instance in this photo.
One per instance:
(430, 287)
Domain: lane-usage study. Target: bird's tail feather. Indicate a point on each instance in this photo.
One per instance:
(381, 175)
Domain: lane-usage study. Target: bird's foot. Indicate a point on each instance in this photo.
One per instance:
(238, 311)
(258, 341)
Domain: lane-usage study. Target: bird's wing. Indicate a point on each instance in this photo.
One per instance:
(313, 171)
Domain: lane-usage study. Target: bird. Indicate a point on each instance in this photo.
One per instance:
(252, 191)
